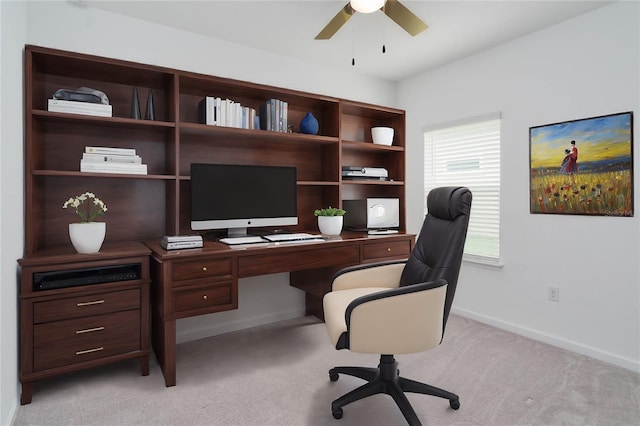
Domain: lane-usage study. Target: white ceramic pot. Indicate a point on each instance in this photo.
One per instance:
(382, 135)
(330, 225)
(87, 237)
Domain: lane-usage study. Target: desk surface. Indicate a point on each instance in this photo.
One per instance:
(216, 249)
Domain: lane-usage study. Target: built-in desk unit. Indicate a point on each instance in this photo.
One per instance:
(146, 207)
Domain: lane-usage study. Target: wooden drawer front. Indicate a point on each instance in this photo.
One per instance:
(82, 306)
(296, 261)
(84, 339)
(201, 268)
(385, 250)
(206, 298)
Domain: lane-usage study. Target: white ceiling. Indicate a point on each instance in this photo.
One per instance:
(456, 28)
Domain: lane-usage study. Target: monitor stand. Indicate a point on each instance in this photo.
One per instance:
(237, 232)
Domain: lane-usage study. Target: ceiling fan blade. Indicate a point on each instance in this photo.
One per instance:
(336, 23)
(404, 17)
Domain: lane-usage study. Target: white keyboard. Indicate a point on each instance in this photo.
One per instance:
(282, 238)
(242, 240)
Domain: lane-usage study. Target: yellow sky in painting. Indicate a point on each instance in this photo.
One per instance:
(550, 153)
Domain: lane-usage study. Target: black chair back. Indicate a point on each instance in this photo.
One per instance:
(439, 248)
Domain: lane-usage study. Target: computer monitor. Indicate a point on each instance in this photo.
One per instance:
(237, 197)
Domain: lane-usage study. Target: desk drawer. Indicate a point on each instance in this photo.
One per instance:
(84, 339)
(82, 306)
(298, 260)
(381, 251)
(201, 268)
(206, 298)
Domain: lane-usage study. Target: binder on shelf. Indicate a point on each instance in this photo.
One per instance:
(83, 108)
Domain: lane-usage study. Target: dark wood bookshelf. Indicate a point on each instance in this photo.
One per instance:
(55, 142)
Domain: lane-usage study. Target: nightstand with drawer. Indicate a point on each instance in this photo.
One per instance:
(83, 317)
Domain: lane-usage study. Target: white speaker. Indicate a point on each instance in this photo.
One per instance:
(372, 213)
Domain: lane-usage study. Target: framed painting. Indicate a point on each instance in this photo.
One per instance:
(582, 167)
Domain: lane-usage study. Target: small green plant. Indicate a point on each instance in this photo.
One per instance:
(330, 211)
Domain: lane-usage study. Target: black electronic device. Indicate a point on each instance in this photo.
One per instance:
(86, 276)
(237, 197)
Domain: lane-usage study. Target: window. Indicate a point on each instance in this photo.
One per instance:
(467, 153)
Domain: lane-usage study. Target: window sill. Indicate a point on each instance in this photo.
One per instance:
(487, 262)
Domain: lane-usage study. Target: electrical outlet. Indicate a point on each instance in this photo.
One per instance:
(553, 294)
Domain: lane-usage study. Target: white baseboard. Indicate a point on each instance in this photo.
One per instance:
(629, 364)
(230, 326)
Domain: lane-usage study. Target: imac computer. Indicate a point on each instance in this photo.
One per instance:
(237, 197)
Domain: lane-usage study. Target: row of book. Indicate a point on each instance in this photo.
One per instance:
(226, 112)
(274, 115)
(76, 107)
(102, 159)
(215, 111)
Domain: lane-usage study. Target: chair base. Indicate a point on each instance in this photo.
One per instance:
(386, 379)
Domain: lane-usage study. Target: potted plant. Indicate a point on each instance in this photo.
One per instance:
(330, 220)
(87, 236)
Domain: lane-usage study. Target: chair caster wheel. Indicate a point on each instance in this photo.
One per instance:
(454, 403)
(337, 414)
(333, 376)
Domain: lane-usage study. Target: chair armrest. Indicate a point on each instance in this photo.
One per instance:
(380, 274)
(401, 320)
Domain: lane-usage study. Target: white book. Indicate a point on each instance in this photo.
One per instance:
(109, 151)
(84, 108)
(211, 111)
(106, 167)
(179, 238)
(110, 158)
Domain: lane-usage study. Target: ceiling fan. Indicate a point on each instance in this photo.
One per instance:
(392, 8)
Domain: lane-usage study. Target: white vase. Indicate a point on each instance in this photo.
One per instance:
(87, 237)
(330, 225)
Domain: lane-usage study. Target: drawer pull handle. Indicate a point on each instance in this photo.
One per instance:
(204, 297)
(90, 350)
(95, 302)
(388, 249)
(204, 268)
(89, 330)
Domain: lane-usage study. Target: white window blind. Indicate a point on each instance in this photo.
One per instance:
(468, 154)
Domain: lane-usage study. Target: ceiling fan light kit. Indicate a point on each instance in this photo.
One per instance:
(392, 8)
(366, 6)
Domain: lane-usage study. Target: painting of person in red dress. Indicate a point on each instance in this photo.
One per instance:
(572, 164)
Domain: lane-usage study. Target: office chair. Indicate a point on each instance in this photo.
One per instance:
(400, 307)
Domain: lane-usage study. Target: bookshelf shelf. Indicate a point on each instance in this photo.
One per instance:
(55, 141)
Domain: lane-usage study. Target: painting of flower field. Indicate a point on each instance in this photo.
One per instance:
(583, 167)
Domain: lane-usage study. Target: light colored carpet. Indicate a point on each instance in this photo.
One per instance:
(278, 375)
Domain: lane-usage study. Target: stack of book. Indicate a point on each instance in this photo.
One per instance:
(76, 107)
(273, 115)
(176, 242)
(226, 112)
(102, 159)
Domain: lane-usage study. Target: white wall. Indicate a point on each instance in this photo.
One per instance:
(584, 67)
(261, 299)
(12, 39)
